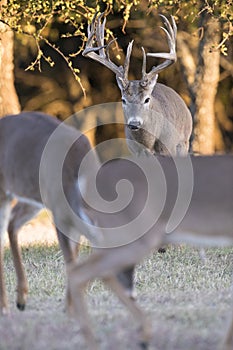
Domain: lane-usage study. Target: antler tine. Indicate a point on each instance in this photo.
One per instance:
(91, 31)
(95, 33)
(100, 33)
(107, 48)
(143, 63)
(127, 59)
(171, 31)
(174, 27)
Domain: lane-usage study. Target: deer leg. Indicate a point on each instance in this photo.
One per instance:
(145, 326)
(78, 275)
(103, 265)
(5, 209)
(21, 213)
(79, 311)
(126, 277)
(70, 251)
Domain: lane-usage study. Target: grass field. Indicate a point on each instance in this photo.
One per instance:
(188, 302)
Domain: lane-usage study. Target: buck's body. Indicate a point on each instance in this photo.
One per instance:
(166, 122)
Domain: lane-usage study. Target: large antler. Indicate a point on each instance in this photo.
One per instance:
(170, 57)
(98, 51)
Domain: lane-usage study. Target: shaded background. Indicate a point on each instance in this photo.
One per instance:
(202, 75)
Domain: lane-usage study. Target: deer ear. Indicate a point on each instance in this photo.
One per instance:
(153, 80)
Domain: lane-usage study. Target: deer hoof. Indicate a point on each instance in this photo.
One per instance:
(162, 250)
(143, 345)
(20, 306)
(4, 311)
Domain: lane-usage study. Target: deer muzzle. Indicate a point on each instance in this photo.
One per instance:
(134, 123)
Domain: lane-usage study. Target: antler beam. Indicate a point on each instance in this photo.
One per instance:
(95, 47)
(170, 57)
(97, 50)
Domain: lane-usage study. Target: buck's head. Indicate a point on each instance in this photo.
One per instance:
(137, 102)
(136, 94)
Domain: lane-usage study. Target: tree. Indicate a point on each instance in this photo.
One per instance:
(9, 102)
(202, 78)
(205, 85)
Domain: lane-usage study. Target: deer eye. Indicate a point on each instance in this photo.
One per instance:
(147, 100)
(123, 101)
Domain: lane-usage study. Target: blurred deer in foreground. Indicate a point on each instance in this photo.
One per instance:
(156, 117)
(208, 220)
(23, 139)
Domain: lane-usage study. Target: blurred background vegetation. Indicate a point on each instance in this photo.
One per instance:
(42, 67)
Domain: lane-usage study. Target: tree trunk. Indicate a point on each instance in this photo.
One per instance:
(9, 103)
(202, 77)
(205, 86)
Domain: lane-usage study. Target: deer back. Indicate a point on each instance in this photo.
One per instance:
(23, 139)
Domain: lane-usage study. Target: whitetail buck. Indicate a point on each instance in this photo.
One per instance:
(156, 117)
(36, 180)
(208, 220)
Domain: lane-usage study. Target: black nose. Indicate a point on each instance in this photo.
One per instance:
(134, 125)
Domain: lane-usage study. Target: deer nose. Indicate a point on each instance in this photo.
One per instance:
(134, 123)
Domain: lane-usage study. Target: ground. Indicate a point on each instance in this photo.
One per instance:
(188, 301)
